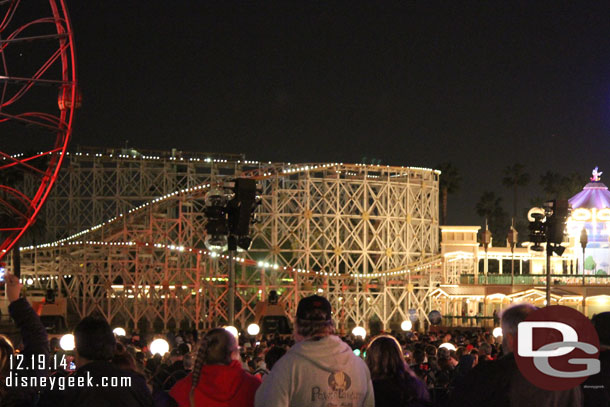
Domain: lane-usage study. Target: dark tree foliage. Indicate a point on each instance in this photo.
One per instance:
(515, 176)
(490, 207)
(449, 183)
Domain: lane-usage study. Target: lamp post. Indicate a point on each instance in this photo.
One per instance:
(548, 209)
(486, 238)
(549, 253)
(232, 250)
(583, 243)
(512, 240)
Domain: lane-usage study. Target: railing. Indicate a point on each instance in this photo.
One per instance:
(535, 279)
(469, 321)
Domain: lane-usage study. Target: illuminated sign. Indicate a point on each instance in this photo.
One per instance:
(591, 215)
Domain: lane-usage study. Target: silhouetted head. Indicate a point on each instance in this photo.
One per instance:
(94, 339)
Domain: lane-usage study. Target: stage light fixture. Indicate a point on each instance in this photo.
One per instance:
(233, 330)
(359, 331)
(118, 331)
(253, 329)
(406, 325)
(67, 342)
(159, 346)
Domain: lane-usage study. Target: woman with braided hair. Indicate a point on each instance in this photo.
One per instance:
(218, 379)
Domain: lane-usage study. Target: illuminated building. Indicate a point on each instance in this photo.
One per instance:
(494, 278)
(591, 211)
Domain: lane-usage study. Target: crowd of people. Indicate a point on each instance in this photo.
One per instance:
(314, 367)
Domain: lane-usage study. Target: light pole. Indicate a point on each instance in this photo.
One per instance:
(548, 225)
(229, 216)
(583, 243)
(557, 212)
(232, 250)
(486, 238)
(512, 240)
(549, 253)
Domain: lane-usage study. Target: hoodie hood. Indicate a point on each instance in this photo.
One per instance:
(329, 353)
(221, 382)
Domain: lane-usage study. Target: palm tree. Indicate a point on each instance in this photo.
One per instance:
(560, 186)
(449, 183)
(515, 177)
(572, 184)
(551, 183)
(489, 207)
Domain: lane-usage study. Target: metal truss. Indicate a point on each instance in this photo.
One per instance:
(364, 236)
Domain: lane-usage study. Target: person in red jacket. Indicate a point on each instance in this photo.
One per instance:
(218, 379)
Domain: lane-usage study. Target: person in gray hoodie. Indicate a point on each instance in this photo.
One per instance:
(320, 370)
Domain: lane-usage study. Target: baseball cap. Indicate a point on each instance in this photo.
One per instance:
(309, 305)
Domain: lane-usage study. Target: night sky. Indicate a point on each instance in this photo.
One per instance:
(483, 85)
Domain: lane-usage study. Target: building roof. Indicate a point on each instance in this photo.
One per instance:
(594, 195)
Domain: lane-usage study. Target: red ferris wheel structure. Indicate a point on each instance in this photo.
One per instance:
(38, 96)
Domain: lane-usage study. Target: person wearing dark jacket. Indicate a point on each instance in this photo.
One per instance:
(105, 385)
(218, 379)
(500, 383)
(394, 383)
(596, 388)
(35, 342)
(167, 375)
(464, 367)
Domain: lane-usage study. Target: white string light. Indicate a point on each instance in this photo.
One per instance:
(247, 262)
(69, 241)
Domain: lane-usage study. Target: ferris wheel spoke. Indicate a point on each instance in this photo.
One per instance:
(25, 120)
(39, 21)
(49, 62)
(16, 79)
(23, 162)
(12, 209)
(9, 13)
(14, 36)
(25, 201)
(7, 41)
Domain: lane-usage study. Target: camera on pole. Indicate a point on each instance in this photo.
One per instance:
(558, 212)
(230, 211)
(557, 221)
(537, 229)
(548, 225)
(241, 213)
(216, 227)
